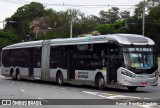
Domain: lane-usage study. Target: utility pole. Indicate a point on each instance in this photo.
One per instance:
(71, 29)
(143, 22)
(3, 25)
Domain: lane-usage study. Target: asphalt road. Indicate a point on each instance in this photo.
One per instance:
(10, 89)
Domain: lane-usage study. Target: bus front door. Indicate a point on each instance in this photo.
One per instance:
(112, 65)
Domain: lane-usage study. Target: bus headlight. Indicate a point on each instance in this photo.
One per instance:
(124, 72)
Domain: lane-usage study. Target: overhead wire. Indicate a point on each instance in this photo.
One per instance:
(71, 5)
(16, 1)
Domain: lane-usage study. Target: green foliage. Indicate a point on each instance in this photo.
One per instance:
(53, 24)
(29, 11)
(7, 38)
(84, 25)
(153, 25)
(154, 13)
(24, 15)
(105, 29)
(139, 10)
(152, 20)
(110, 16)
(54, 35)
(59, 23)
(117, 27)
(125, 15)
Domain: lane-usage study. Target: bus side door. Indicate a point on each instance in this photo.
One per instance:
(112, 65)
(31, 62)
(70, 63)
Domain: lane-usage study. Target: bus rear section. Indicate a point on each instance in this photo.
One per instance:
(22, 60)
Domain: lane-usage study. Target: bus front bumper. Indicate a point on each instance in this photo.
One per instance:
(139, 82)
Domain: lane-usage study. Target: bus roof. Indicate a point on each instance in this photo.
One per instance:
(126, 39)
(24, 45)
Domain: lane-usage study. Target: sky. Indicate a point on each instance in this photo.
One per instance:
(89, 7)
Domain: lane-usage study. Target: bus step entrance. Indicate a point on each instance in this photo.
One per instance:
(70, 80)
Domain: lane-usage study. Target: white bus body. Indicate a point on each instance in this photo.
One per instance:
(116, 60)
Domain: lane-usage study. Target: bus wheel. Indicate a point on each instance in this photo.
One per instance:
(60, 78)
(100, 83)
(132, 88)
(18, 76)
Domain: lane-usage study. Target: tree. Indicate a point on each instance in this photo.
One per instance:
(30, 11)
(24, 15)
(125, 15)
(152, 3)
(117, 27)
(84, 25)
(7, 38)
(153, 25)
(59, 22)
(138, 11)
(152, 20)
(105, 29)
(110, 16)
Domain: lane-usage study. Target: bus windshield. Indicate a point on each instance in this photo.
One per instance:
(139, 58)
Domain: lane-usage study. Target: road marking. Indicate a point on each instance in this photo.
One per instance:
(12, 82)
(63, 88)
(93, 93)
(72, 89)
(22, 90)
(148, 106)
(114, 96)
(102, 96)
(122, 97)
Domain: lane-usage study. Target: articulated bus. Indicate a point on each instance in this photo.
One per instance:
(115, 60)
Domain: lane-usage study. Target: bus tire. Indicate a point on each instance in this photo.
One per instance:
(100, 83)
(18, 76)
(59, 78)
(132, 88)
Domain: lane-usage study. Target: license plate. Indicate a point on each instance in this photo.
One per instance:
(144, 83)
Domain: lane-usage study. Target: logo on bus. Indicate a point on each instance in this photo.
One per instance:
(81, 75)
